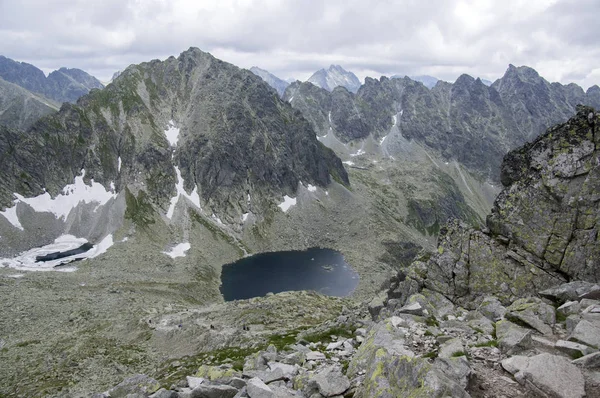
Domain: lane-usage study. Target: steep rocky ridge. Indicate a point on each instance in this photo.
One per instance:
(466, 121)
(236, 139)
(272, 80)
(63, 85)
(20, 108)
(542, 229)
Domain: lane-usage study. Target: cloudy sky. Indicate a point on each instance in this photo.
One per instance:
(443, 38)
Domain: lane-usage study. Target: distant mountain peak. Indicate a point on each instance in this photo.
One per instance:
(335, 76)
(62, 85)
(278, 84)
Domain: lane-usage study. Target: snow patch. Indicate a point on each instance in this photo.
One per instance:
(394, 119)
(291, 99)
(193, 197)
(102, 247)
(63, 203)
(329, 117)
(358, 153)
(26, 261)
(179, 250)
(348, 162)
(15, 276)
(287, 203)
(217, 219)
(382, 140)
(119, 164)
(311, 188)
(172, 133)
(11, 215)
(245, 217)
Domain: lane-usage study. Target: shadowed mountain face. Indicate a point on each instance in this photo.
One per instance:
(238, 143)
(466, 121)
(63, 85)
(272, 80)
(20, 108)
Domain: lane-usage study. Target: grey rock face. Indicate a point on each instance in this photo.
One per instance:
(213, 391)
(548, 374)
(272, 80)
(587, 332)
(63, 85)
(543, 226)
(19, 108)
(333, 77)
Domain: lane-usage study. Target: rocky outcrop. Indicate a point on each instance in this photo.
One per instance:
(543, 227)
(63, 85)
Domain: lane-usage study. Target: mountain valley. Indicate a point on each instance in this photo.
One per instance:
(180, 166)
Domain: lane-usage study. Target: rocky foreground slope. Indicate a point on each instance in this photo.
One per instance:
(501, 312)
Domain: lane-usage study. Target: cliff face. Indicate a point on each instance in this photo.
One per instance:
(543, 228)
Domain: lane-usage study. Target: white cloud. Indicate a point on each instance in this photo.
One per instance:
(293, 39)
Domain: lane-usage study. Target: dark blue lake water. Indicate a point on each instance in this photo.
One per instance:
(322, 270)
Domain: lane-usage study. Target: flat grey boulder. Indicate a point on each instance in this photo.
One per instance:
(512, 338)
(412, 309)
(162, 393)
(194, 382)
(588, 361)
(256, 388)
(315, 356)
(587, 332)
(137, 384)
(547, 374)
(534, 313)
(570, 291)
(451, 348)
(492, 308)
(331, 382)
(213, 391)
(572, 348)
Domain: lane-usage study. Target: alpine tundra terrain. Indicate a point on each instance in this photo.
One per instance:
(181, 166)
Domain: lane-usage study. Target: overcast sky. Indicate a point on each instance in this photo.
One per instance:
(443, 38)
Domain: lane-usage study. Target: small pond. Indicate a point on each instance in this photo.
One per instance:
(322, 270)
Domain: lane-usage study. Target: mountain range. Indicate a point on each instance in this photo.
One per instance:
(62, 85)
(333, 77)
(465, 121)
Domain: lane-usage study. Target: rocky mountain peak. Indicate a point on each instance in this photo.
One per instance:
(272, 80)
(335, 76)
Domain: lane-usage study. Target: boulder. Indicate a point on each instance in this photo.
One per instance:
(331, 382)
(457, 369)
(568, 308)
(572, 348)
(140, 383)
(194, 382)
(512, 338)
(412, 309)
(451, 348)
(257, 389)
(492, 308)
(569, 291)
(587, 332)
(588, 361)
(547, 374)
(315, 356)
(163, 393)
(534, 313)
(213, 391)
